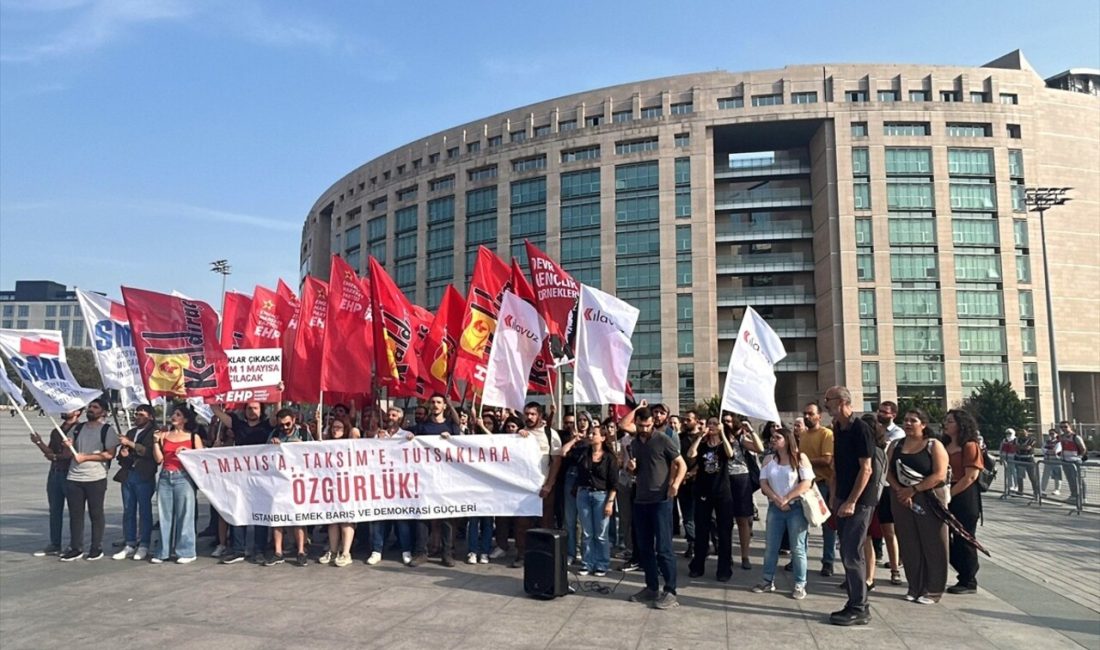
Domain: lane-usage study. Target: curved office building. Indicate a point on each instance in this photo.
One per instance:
(873, 214)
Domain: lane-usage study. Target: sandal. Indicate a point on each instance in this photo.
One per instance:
(895, 577)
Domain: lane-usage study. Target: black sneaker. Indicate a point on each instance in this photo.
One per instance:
(232, 557)
(418, 559)
(666, 601)
(826, 570)
(646, 595)
(302, 559)
(960, 589)
(71, 554)
(447, 560)
(631, 566)
(95, 553)
(275, 558)
(846, 617)
(689, 553)
(49, 550)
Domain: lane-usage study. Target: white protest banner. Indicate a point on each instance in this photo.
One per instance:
(750, 377)
(39, 358)
(605, 325)
(113, 346)
(369, 479)
(10, 389)
(254, 376)
(516, 344)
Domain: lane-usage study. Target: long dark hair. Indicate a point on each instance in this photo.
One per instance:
(967, 425)
(793, 453)
(190, 420)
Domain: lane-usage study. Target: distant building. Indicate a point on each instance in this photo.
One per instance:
(43, 304)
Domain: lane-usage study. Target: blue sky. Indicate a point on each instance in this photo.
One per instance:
(141, 139)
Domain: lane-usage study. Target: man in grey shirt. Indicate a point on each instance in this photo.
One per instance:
(91, 448)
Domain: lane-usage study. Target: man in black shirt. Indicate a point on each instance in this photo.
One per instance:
(252, 429)
(444, 421)
(855, 492)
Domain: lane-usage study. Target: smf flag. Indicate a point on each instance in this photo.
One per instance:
(113, 346)
(10, 389)
(604, 328)
(39, 358)
(177, 344)
(750, 377)
(518, 340)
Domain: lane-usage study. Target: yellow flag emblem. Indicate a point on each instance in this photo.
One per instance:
(167, 373)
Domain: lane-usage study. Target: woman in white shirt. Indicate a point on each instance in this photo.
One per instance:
(784, 480)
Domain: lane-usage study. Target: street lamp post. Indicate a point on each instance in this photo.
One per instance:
(222, 267)
(1041, 199)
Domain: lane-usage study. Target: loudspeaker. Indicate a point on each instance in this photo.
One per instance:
(544, 571)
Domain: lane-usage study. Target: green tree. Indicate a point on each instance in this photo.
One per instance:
(82, 363)
(930, 404)
(996, 407)
(709, 408)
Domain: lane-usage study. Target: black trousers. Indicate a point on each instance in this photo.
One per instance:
(967, 508)
(77, 495)
(713, 514)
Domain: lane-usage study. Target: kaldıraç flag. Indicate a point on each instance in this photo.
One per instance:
(490, 279)
(604, 328)
(518, 340)
(439, 347)
(539, 381)
(421, 323)
(266, 320)
(177, 344)
(398, 365)
(349, 339)
(235, 310)
(39, 358)
(290, 331)
(556, 292)
(303, 383)
(10, 389)
(113, 346)
(750, 377)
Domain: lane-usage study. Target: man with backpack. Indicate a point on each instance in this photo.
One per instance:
(90, 449)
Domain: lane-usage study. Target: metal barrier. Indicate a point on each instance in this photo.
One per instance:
(1039, 473)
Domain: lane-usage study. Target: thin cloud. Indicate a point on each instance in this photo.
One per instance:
(152, 209)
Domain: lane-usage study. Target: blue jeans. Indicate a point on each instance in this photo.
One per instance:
(828, 535)
(238, 537)
(793, 522)
(570, 514)
(378, 530)
(137, 505)
(597, 550)
(55, 496)
(653, 549)
(406, 534)
(176, 503)
(479, 535)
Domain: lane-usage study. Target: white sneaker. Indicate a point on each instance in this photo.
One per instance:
(376, 557)
(483, 558)
(185, 560)
(219, 550)
(326, 558)
(1057, 493)
(127, 551)
(471, 558)
(141, 554)
(497, 553)
(156, 560)
(406, 558)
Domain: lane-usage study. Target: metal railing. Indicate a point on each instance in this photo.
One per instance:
(782, 295)
(749, 232)
(1015, 476)
(782, 196)
(764, 262)
(761, 167)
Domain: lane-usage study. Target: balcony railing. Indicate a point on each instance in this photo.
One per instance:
(761, 167)
(761, 198)
(763, 231)
(764, 262)
(782, 295)
(784, 327)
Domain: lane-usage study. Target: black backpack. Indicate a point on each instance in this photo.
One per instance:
(102, 437)
(988, 472)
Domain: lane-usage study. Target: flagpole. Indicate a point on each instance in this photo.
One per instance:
(23, 416)
(321, 410)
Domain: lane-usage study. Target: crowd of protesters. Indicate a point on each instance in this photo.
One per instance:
(622, 490)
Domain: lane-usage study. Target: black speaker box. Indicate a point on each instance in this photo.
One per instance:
(544, 570)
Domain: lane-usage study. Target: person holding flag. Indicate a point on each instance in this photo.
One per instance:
(90, 450)
(55, 480)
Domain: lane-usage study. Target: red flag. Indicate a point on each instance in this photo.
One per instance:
(540, 378)
(290, 329)
(438, 350)
(556, 292)
(394, 335)
(36, 347)
(304, 383)
(421, 322)
(266, 320)
(118, 311)
(620, 410)
(349, 340)
(177, 344)
(490, 279)
(235, 310)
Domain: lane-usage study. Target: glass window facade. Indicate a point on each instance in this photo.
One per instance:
(908, 160)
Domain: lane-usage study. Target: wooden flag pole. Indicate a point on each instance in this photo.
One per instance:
(23, 416)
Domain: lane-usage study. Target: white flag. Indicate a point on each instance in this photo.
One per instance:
(39, 358)
(10, 389)
(113, 346)
(750, 377)
(605, 325)
(516, 344)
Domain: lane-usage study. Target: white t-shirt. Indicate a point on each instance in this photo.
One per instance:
(782, 478)
(894, 432)
(547, 447)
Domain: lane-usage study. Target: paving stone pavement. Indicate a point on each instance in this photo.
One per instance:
(1040, 590)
